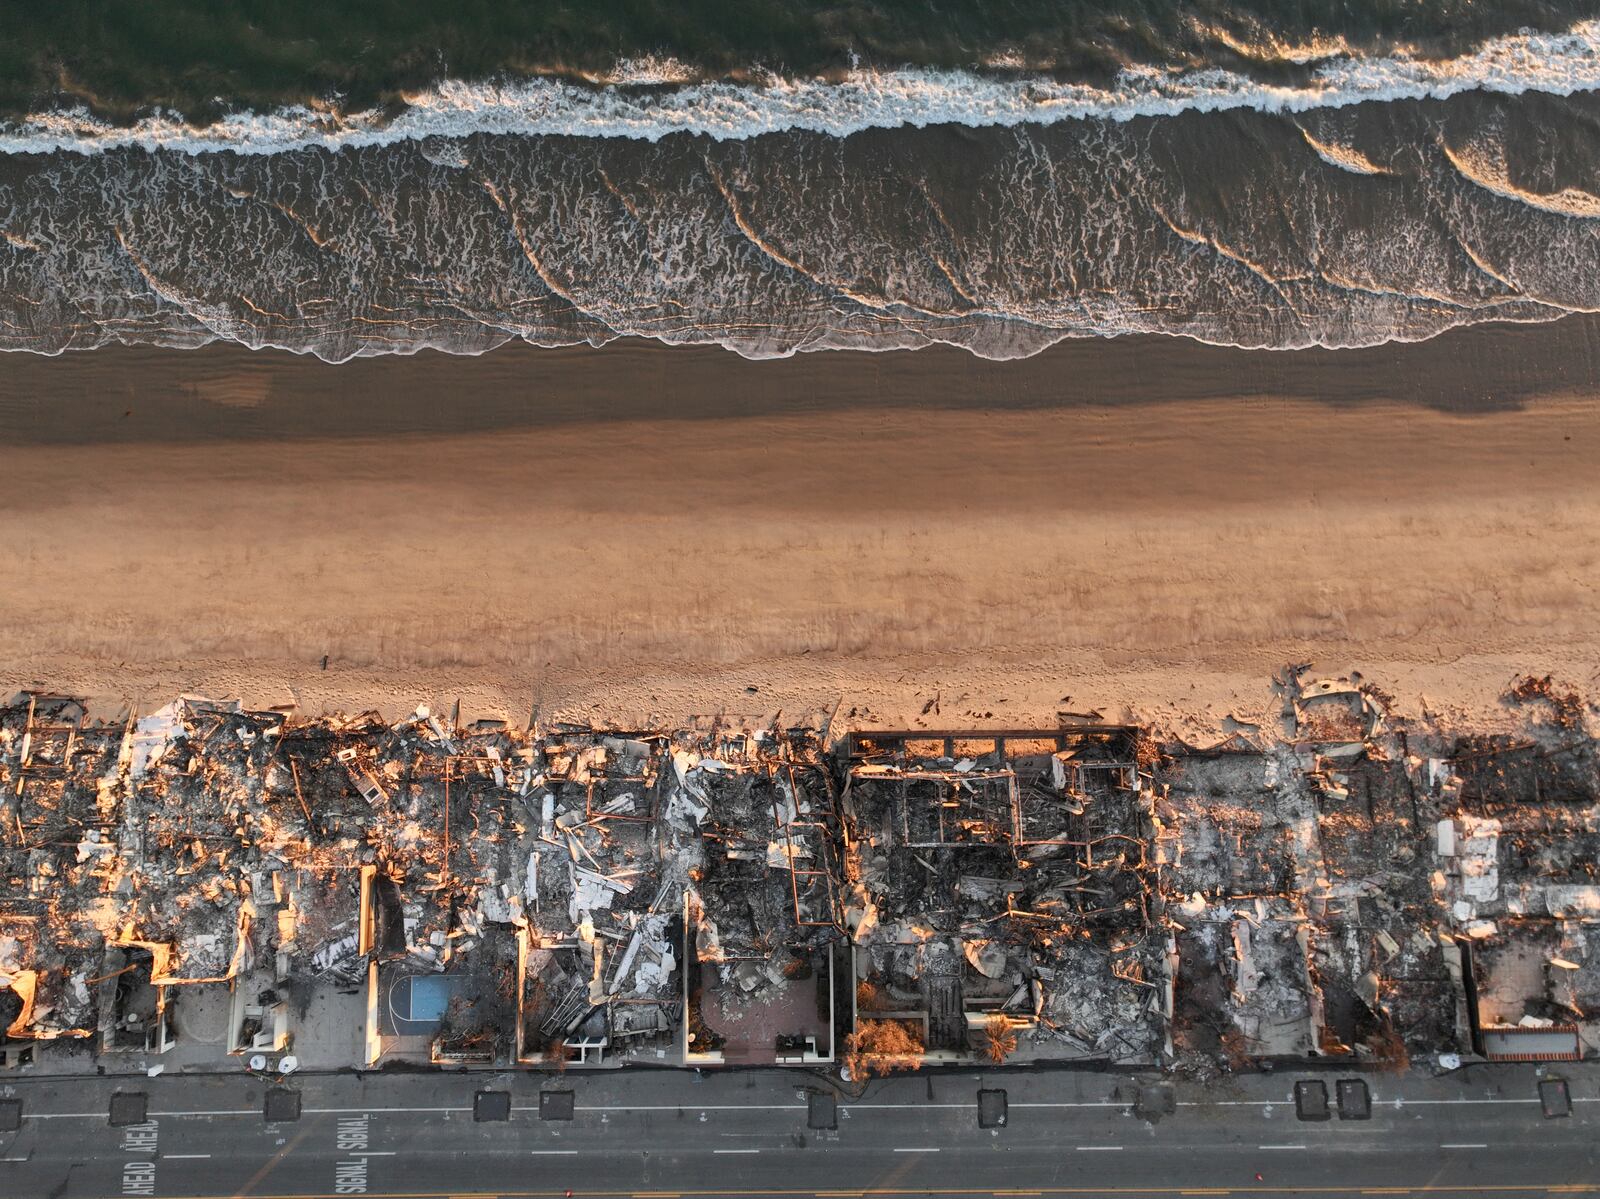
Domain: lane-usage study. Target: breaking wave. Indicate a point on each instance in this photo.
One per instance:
(648, 101)
(1333, 227)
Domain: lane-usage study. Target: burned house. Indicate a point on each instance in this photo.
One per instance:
(203, 879)
(60, 872)
(1000, 886)
(602, 887)
(1518, 877)
(766, 952)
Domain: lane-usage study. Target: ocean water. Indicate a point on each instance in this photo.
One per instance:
(1305, 188)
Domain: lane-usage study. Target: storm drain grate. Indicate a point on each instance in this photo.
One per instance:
(10, 1115)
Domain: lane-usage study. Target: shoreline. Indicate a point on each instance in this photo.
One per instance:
(645, 529)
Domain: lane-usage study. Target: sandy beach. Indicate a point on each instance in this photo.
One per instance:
(1146, 526)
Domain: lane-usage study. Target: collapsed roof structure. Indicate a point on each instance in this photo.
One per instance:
(201, 880)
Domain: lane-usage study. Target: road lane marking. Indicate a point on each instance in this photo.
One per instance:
(1280, 1146)
(184, 1157)
(1465, 1145)
(920, 1149)
(1099, 1148)
(141, 1142)
(1297, 1189)
(784, 1107)
(789, 1107)
(699, 1107)
(1205, 1191)
(554, 1152)
(736, 1151)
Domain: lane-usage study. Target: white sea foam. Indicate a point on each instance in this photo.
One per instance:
(1556, 63)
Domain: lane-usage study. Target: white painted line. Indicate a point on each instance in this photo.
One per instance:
(348, 1111)
(1099, 1148)
(736, 1151)
(1460, 1145)
(922, 1150)
(13, 1159)
(1280, 1146)
(1376, 1102)
(699, 1107)
(554, 1152)
(1083, 1103)
(184, 1157)
(375, 1153)
(243, 1111)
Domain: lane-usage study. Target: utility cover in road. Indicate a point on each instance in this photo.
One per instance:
(1311, 1099)
(128, 1107)
(491, 1106)
(991, 1109)
(555, 1105)
(282, 1106)
(822, 1113)
(1555, 1098)
(1355, 1100)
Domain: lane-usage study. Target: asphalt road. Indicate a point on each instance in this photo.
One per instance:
(660, 1136)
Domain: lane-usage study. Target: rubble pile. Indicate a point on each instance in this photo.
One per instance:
(202, 880)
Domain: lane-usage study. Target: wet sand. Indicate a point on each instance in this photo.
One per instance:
(1148, 526)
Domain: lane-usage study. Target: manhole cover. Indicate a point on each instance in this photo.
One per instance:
(128, 1108)
(1355, 1100)
(991, 1109)
(1311, 1099)
(1555, 1098)
(281, 1106)
(555, 1105)
(10, 1115)
(492, 1106)
(822, 1112)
